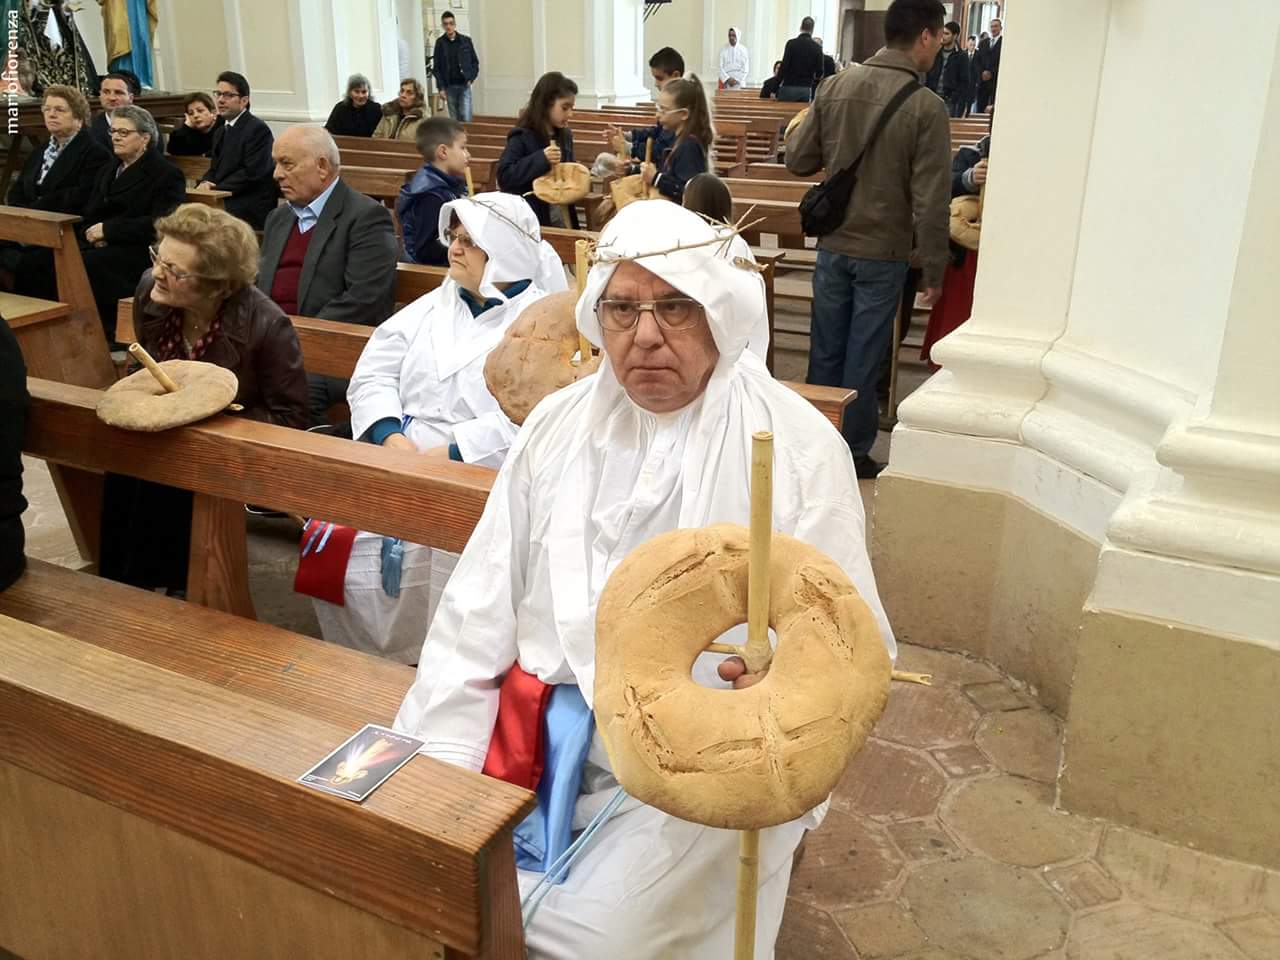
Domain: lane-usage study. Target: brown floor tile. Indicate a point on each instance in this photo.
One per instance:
(1271, 898)
(1258, 936)
(946, 667)
(962, 761)
(1011, 820)
(808, 933)
(1026, 743)
(921, 716)
(922, 840)
(880, 930)
(985, 910)
(1083, 885)
(1129, 931)
(888, 780)
(991, 697)
(847, 861)
(1181, 881)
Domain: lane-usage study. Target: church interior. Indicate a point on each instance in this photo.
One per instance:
(1028, 556)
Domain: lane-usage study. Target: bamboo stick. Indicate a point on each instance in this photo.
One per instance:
(757, 654)
(580, 268)
(471, 185)
(138, 353)
(744, 932)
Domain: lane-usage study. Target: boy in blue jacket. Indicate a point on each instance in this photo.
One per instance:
(443, 144)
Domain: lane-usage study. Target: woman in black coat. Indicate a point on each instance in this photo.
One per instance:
(357, 114)
(119, 221)
(540, 139)
(194, 136)
(64, 186)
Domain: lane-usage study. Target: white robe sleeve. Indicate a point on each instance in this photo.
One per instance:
(485, 440)
(374, 391)
(726, 62)
(744, 69)
(472, 640)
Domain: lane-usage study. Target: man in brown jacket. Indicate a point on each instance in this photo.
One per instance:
(902, 191)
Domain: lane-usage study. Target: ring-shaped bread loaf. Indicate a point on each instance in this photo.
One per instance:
(966, 222)
(566, 183)
(138, 402)
(737, 759)
(535, 356)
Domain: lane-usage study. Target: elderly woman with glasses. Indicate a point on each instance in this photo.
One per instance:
(119, 219)
(419, 386)
(199, 302)
(57, 176)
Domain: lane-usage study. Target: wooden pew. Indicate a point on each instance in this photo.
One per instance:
(211, 198)
(193, 168)
(151, 808)
(60, 340)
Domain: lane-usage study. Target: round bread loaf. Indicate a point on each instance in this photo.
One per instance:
(737, 759)
(566, 183)
(535, 356)
(138, 402)
(966, 222)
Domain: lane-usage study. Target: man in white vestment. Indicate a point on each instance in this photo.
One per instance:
(734, 64)
(659, 439)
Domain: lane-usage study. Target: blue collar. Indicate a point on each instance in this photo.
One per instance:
(309, 215)
(477, 308)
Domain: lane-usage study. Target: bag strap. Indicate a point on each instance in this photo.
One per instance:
(890, 108)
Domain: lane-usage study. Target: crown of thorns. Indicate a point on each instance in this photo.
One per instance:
(724, 234)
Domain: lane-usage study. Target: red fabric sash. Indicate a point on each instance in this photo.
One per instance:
(323, 573)
(517, 750)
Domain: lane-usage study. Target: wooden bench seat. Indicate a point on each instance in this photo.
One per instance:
(151, 785)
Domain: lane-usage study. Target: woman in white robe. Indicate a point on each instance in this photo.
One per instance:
(591, 476)
(420, 382)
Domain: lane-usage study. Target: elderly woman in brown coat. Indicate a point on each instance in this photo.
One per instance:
(400, 117)
(199, 302)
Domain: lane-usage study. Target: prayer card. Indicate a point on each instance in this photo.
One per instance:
(360, 765)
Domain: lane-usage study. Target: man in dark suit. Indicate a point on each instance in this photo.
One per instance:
(241, 158)
(801, 65)
(987, 64)
(329, 252)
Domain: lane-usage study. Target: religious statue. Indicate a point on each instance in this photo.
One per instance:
(51, 41)
(130, 29)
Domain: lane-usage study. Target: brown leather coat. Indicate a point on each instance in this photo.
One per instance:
(257, 343)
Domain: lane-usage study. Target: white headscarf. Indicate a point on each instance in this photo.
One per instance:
(506, 229)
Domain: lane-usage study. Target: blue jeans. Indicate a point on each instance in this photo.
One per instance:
(854, 301)
(459, 100)
(803, 94)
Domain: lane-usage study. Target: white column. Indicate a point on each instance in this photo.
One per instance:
(613, 51)
(1031, 226)
(1182, 547)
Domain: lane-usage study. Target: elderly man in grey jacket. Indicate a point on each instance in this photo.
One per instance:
(328, 252)
(898, 210)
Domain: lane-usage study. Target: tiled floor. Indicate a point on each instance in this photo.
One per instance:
(943, 844)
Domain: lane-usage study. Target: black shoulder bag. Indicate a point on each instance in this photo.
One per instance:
(824, 205)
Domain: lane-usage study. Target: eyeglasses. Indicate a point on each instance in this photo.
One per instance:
(676, 313)
(226, 95)
(178, 276)
(122, 132)
(462, 239)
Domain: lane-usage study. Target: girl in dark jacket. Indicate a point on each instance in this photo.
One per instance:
(357, 114)
(540, 139)
(682, 107)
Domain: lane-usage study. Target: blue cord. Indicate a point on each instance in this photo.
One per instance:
(533, 899)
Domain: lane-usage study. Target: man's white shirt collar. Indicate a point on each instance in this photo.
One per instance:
(309, 215)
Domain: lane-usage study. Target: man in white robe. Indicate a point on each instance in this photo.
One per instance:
(734, 64)
(660, 438)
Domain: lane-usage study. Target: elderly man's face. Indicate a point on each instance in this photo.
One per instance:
(301, 172)
(662, 370)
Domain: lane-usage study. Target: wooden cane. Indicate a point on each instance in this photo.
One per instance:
(471, 186)
(138, 353)
(757, 655)
(580, 267)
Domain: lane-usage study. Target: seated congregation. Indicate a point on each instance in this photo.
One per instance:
(358, 278)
